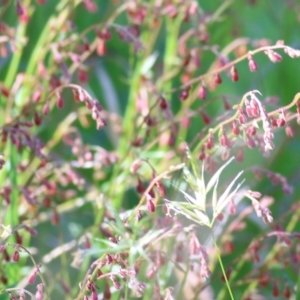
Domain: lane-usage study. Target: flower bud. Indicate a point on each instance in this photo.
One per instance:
(202, 92)
(218, 79)
(184, 94)
(234, 74)
(37, 118)
(273, 56)
(252, 64)
(206, 119)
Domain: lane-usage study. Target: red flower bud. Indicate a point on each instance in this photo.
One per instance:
(218, 79)
(82, 76)
(59, 101)
(150, 205)
(227, 105)
(37, 119)
(287, 292)
(275, 289)
(16, 255)
(202, 154)
(234, 74)
(206, 119)
(235, 128)
(163, 104)
(184, 94)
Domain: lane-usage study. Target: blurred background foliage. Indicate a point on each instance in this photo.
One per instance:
(115, 79)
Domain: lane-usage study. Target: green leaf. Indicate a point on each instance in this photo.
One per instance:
(216, 176)
(226, 196)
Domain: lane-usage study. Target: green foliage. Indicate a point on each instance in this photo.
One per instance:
(84, 185)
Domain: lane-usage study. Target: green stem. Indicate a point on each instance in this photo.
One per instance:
(222, 267)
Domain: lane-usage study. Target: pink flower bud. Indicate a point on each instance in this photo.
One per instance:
(273, 56)
(39, 294)
(289, 131)
(32, 276)
(184, 94)
(16, 255)
(252, 64)
(210, 142)
(82, 76)
(202, 92)
(20, 9)
(150, 205)
(36, 96)
(46, 109)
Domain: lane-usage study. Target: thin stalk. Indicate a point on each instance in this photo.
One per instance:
(222, 267)
(36, 266)
(183, 281)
